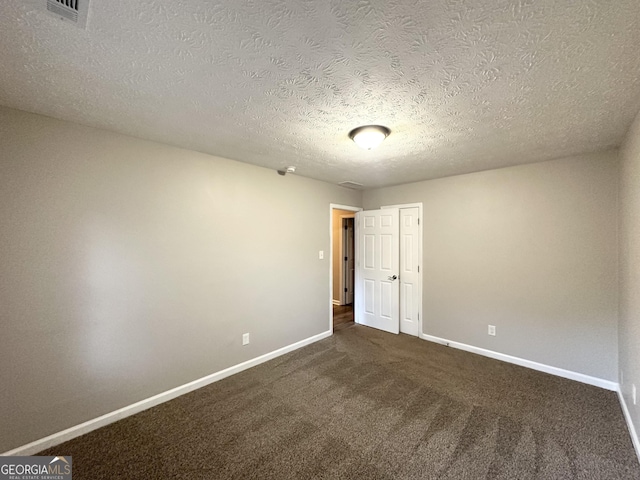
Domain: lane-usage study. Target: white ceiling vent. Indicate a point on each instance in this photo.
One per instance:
(74, 11)
(349, 184)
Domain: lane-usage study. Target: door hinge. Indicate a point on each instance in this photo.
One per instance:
(418, 268)
(346, 259)
(418, 221)
(345, 290)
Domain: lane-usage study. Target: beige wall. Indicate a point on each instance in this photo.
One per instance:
(629, 237)
(336, 223)
(531, 249)
(130, 267)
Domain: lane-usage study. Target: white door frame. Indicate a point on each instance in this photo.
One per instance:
(420, 230)
(332, 207)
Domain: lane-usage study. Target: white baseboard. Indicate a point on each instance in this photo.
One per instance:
(632, 428)
(579, 377)
(90, 425)
(335, 302)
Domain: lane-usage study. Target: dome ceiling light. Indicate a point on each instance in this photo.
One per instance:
(369, 136)
(285, 170)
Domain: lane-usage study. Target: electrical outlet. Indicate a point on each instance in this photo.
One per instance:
(492, 330)
(321, 255)
(633, 393)
(245, 339)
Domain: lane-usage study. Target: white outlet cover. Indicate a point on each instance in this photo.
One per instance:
(492, 330)
(321, 254)
(245, 339)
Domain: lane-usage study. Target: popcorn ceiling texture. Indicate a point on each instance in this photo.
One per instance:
(463, 85)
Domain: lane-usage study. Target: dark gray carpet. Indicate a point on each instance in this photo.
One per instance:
(369, 405)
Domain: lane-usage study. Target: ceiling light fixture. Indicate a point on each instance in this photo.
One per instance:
(369, 136)
(286, 170)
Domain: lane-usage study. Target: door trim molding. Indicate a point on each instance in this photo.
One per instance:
(420, 242)
(332, 207)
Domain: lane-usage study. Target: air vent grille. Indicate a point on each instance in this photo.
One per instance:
(71, 10)
(67, 9)
(349, 184)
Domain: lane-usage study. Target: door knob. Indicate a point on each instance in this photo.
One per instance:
(393, 278)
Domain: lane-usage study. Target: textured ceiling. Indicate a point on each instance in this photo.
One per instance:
(464, 85)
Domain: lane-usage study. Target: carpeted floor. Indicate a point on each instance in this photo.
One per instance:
(364, 404)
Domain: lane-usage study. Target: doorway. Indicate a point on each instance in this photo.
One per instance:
(342, 265)
(347, 260)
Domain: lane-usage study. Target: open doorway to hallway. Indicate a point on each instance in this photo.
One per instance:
(342, 264)
(342, 315)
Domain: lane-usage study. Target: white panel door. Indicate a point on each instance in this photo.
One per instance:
(377, 263)
(409, 271)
